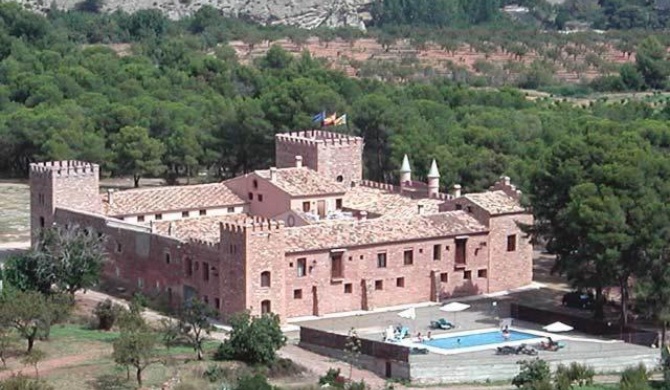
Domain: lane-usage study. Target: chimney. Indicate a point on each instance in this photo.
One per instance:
(506, 180)
(273, 174)
(420, 209)
(363, 216)
(433, 180)
(456, 191)
(110, 196)
(298, 161)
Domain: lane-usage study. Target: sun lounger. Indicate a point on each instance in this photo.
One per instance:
(441, 324)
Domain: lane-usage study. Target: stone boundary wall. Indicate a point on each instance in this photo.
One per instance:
(371, 348)
(592, 326)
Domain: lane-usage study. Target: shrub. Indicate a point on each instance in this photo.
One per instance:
(21, 382)
(579, 374)
(635, 378)
(282, 367)
(332, 379)
(215, 373)
(256, 382)
(534, 374)
(357, 385)
(107, 314)
(253, 340)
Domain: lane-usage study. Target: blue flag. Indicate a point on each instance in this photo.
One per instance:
(319, 117)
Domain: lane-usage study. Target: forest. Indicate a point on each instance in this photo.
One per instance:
(178, 103)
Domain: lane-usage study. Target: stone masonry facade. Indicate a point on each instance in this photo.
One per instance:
(306, 238)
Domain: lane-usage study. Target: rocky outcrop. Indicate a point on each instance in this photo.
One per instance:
(302, 13)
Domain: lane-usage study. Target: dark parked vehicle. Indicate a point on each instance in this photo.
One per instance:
(579, 300)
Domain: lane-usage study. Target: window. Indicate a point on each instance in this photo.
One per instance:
(184, 214)
(482, 273)
(260, 197)
(231, 209)
(338, 204)
(202, 212)
(265, 279)
(167, 258)
(140, 218)
(119, 247)
(42, 222)
(189, 266)
(305, 207)
(265, 307)
(140, 283)
(255, 182)
(205, 298)
(297, 294)
(336, 266)
(302, 267)
(158, 217)
(348, 288)
(408, 257)
(381, 260)
(468, 209)
(460, 250)
(444, 277)
(379, 284)
(205, 271)
(217, 303)
(467, 275)
(511, 243)
(400, 282)
(459, 207)
(251, 196)
(340, 179)
(437, 252)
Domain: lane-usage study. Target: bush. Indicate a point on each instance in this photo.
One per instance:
(332, 379)
(535, 374)
(576, 373)
(107, 314)
(21, 382)
(357, 385)
(253, 340)
(635, 378)
(215, 373)
(282, 368)
(256, 382)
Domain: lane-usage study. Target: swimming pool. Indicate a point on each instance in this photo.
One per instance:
(478, 339)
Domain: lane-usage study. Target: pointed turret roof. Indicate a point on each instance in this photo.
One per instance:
(433, 170)
(405, 165)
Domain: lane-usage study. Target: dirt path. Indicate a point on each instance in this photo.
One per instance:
(50, 365)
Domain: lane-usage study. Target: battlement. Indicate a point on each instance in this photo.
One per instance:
(381, 186)
(66, 168)
(253, 224)
(318, 137)
(504, 184)
(204, 244)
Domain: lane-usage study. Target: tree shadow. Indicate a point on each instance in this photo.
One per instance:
(111, 382)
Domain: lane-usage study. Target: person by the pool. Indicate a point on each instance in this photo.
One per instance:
(505, 333)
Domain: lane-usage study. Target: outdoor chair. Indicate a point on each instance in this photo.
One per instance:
(442, 324)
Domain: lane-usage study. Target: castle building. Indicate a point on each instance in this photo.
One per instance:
(306, 238)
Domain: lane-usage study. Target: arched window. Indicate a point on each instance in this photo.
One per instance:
(265, 307)
(265, 279)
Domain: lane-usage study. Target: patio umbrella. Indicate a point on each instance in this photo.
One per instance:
(557, 327)
(409, 313)
(454, 307)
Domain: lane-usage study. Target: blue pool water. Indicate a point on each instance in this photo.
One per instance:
(474, 340)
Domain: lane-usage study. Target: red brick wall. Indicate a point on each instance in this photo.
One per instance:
(341, 159)
(417, 277)
(274, 201)
(287, 150)
(475, 210)
(512, 269)
(204, 255)
(233, 264)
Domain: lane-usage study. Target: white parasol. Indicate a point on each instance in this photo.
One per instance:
(409, 313)
(454, 307)
(558, 327)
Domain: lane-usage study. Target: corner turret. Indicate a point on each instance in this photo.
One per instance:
(405, 172)
(433, 180)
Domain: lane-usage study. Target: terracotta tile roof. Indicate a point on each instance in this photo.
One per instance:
(387, 204)
(302, 181)
(202, 228)
(151, 200)
(495, 202)
(375, 231)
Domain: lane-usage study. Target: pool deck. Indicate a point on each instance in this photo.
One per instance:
(482, 363)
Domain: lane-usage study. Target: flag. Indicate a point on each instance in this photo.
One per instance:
(329, 121)
(319, 117)
(341, 120)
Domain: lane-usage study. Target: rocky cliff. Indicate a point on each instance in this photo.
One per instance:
(303, 13)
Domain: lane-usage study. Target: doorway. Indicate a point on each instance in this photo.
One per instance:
(315, 301)
(321, 208)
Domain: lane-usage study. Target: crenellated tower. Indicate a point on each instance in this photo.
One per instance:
(68, 184)
(254, 256)
(334, 155)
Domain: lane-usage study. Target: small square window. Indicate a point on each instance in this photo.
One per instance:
(140, 218)
(437, 252)
(119, 247)
(217, 303)
(297, 294)
(379, 284)
(381, 260)
(408, 257)
(260, 197)
(468, 209)
(467, 275)
(459, 207)
(511, 243)
(482, 273)
(205, 298)
(338, 204)
(305, 207)
(400, 282)
(203, 212)
(158, 217)
(348, 288)
(184, 214)
(444, 277)
(420, 250)
(251, 196)
(360, 257)
(231, 209)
